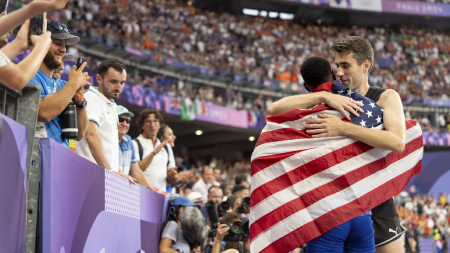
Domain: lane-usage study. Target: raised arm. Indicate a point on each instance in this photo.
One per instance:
(16, 76)
(15, 18)
(303, 101)
(393, 138)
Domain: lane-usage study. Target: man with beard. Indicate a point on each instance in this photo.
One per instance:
(100, 144)
(56, 93)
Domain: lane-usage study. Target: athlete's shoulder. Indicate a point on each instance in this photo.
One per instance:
(389, 98)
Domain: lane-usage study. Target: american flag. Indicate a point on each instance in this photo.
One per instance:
(303, 187)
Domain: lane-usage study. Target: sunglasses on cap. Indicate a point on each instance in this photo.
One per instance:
(59, 26)
(126, 120)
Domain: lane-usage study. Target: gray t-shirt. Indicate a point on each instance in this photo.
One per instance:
(174, 233)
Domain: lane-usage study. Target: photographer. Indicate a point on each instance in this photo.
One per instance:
(185, 230)
(55, 93)
(242, 245)
(17, 76)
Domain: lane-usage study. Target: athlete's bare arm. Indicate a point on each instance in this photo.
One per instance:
(394, 122)
(303, 101)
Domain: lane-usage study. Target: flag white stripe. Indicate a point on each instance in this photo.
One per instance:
(334, 201)
(299, 123)
(292, 162)
(279, 147)
(280, 198)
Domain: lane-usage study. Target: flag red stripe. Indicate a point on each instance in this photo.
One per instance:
(342, 214)
(261, 163)
(306, 170)
(330, 188)
(283, 134)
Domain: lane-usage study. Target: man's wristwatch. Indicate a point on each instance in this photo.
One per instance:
(83, 104)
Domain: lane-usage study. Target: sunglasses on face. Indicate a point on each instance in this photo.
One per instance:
(59, 27)
(126, 120)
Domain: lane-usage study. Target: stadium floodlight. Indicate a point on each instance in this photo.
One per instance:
(263, 13)
(250, 12)
(199, 132)
(287, 16)
(273, 14)
(251, 138)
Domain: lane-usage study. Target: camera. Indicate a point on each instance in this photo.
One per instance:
(235, 230)
(246, 230)
(211, 208)
(245, 203)
(222, 208)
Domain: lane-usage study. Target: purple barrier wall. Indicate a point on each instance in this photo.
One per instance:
(85, 208)
(435, 174)
(13, 160)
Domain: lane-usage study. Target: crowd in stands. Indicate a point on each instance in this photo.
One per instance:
(411, 60)
(424, 217)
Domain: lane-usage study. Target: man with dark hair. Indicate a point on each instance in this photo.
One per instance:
(354, 58)
(100, 144)
(56, 93)
(241, 179)
(356, 233)
(155, 157)
(240, 191)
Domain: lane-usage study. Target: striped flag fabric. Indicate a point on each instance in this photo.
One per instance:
(302, 186)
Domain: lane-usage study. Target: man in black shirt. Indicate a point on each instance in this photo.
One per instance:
(354, 60)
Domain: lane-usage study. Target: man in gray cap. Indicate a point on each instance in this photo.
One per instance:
(127, 157)
(56, 93)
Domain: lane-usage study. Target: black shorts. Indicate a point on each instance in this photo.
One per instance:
(386, 223)
(387, 229)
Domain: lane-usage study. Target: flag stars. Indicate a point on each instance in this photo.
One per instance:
(349, 92)
(340, 92)
(361, 101)
(369, 114)
(378, 119)
(372, 104)
(363, 123)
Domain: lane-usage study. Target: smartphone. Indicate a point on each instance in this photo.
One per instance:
(38, 26)
(80, 61)
(3, 5)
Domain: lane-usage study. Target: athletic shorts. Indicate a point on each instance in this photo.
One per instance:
(387, 229)
(386, 223)
(355, 235)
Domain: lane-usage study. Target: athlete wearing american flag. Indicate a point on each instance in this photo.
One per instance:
(354, 57)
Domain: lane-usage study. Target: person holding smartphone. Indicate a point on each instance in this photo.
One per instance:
(56, 93)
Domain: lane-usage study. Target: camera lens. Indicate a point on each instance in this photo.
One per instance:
(236, 228)
(246, 202)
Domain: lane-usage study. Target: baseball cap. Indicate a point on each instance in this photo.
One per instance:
(120, 109)
(183, 201)
(60, 31)
(68, 57)
(195, 197)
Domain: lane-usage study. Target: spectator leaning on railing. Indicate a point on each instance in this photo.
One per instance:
(155, 157)
(16, 76)
(127, 156)
(100, 145)
(56, 93)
